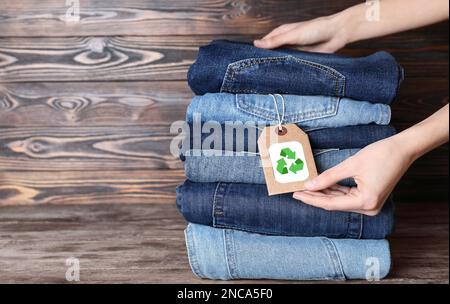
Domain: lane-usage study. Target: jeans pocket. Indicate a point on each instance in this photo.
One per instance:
(283, 75)
(297, 108)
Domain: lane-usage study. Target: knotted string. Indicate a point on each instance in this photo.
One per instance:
(280, 119)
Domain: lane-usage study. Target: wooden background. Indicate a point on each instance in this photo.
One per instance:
(85, 107)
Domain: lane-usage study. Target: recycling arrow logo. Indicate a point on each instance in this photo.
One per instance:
(288, 156)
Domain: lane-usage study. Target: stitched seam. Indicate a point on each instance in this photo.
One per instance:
(229, 253)
(388, 115)
(302, 116)
(344, 85)
(334, 258)
(265, 231)
(242, 64)
(237, 66)
(252, 61)
(349, 215)
(215, 204)
(265, 113)
(354, 219)
(338, 259)
(192, 257)
(245, 91)
(361, 226)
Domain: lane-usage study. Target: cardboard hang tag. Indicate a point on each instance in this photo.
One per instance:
(287, 158)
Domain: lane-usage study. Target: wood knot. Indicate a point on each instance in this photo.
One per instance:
(97, 44)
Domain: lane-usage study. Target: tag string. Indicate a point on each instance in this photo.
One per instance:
(283, 102)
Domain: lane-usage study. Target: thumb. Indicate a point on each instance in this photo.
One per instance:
(330, 177)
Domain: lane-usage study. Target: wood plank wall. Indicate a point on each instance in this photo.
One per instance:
(85, 107)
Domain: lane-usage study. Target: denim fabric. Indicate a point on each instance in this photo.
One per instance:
(245, 167)
(229, 254)
(225, 66)
(308, 112)
(248, 207)
(244, 138)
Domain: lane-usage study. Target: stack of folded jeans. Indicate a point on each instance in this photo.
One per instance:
(237, 231)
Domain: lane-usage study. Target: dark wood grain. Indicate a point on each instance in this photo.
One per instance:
(136, 243)
(417, 99)
(127, 243)
(422, 52)
(85, 110)
(147, 58)
(161, 17)
(420, 242)
(151, 186)
(144, 103)
(93, 104)
(431, 165)
(125, 148)
(85, 148)
(96, 58)
(89, 187)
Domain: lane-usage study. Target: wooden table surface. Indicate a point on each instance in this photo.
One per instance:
(144, 243)
(85, 111)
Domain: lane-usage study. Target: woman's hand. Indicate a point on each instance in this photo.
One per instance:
(318, 35)
(376, 170)
(329, 34)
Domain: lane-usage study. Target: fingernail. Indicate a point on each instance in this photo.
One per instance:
(296, 195)
(310, 184)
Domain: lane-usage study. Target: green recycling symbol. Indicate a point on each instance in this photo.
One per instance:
(296, 166)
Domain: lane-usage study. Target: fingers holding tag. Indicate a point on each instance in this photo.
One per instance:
(287, 158)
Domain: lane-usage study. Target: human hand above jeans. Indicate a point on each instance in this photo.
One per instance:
(363, 21)
(317, 35)
(376, 169)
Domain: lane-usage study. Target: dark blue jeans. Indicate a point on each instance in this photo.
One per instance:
(248, 207)
(239, 137)
(233, 67)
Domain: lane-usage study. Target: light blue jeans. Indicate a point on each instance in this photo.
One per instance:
(246, 167)
(308, 112)
(226, 254)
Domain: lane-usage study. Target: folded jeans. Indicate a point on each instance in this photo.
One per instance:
(246, 167)
(243, 138)
(248, 207)
(308, 112)
(234, 67)
(226, 254)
